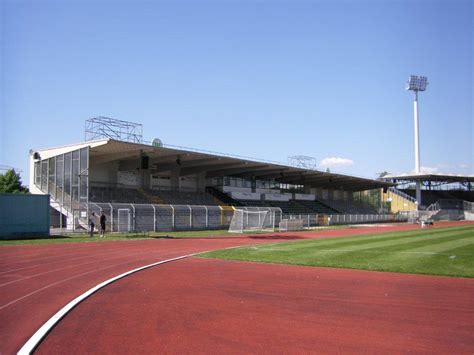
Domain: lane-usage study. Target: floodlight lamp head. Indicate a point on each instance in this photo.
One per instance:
(417, 83)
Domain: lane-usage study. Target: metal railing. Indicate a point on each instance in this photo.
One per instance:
(313, 220)
(130, 217)
(468, 206)
(402, 194)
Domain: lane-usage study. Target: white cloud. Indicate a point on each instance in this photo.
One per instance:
(335, 162)
(464, 166)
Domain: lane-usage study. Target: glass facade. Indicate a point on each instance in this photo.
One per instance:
(66, 178)
(370, 197)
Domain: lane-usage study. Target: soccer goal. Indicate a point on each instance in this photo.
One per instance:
(252, 221)
(287, 225)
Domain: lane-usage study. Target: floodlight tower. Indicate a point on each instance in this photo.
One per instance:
(417, 83)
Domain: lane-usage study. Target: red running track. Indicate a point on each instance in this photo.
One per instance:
(36, 281)
(220, 307)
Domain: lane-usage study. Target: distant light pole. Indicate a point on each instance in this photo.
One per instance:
(417, 83)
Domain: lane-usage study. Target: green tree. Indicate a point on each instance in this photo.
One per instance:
(10, 182)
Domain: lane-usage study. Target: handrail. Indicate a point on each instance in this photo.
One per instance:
(433, 207)
(401, 194)
(59, 191)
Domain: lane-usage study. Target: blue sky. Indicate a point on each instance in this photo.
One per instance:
(265, 79)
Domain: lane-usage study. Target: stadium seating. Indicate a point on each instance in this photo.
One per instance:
(349, 207)
(214, 197)
(292, 206)
(318, 207)
(225, 199)
(126, 195)
(115, 195)
(184, 197)
(429, 197)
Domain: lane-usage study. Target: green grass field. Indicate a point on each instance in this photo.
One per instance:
(440, 251)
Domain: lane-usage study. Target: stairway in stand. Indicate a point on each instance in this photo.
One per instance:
(152, 198)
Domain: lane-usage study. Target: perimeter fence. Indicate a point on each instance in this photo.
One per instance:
(314, 220)
(130, 217)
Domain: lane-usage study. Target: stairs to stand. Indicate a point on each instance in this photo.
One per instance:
(222, 198)
(82, 222)
(150, 197)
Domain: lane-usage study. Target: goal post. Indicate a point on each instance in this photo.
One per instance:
(246, 220)
(288, 225)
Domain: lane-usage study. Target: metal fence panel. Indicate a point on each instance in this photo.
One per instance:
(122, 217)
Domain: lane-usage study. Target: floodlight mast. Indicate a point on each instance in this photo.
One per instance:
(416, 84)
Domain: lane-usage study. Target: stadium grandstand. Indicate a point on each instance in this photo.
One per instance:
(435, 187)
(448, 196)
(152, 186)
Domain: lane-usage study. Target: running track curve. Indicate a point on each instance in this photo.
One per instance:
(36, 281)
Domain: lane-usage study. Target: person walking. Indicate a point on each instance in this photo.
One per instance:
(92, 220)
(103, 219)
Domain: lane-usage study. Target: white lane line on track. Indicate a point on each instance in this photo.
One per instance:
(78, 247)
(34, 341)
(57, 283)
(61, 259)
(121, 255)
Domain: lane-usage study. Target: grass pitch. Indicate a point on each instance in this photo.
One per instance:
(440, 251)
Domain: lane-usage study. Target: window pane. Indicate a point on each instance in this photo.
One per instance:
(75, 196)
(83, 189)
(84, 158)
(75, 172)
(38, 174)
(75, 168)
(59, 178)
(59, 171)
(67, 173)
(44, 175)
(52, 176)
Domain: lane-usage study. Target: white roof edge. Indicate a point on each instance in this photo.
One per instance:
(50, 152)
(427, 174)
(93, 143)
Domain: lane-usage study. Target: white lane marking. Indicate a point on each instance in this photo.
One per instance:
(33, 342)
(121, 255)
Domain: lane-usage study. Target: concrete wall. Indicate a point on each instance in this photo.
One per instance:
(23, 215)
(106, 173)
(398, 203)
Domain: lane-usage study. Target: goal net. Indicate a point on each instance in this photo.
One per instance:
(252, 221)
(288, 225)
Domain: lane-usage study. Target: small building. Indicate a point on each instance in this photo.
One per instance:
(24, 216)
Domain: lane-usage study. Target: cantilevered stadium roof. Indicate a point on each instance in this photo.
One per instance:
(190, 161)
(444, 178)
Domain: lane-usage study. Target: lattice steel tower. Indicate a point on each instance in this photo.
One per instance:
(105, 127)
